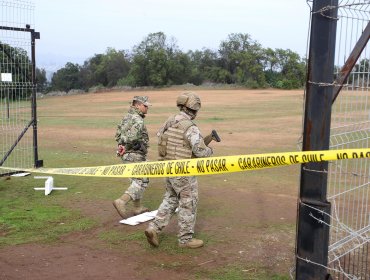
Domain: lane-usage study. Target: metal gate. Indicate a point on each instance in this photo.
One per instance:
(18, 119)
(333, 231)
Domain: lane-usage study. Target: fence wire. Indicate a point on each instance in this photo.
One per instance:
(16, 83)
(348, 180)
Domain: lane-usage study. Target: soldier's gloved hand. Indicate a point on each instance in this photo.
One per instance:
(121, 150)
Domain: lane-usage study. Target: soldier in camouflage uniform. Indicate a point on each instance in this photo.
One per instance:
(132, 138)
(180, 138)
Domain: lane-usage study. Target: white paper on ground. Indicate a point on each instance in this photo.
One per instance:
(141, 218)
(20, 174)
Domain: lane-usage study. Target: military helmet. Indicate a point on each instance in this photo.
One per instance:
(189, 100)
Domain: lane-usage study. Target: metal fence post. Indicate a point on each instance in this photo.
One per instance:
(37, 162)
(313, 235)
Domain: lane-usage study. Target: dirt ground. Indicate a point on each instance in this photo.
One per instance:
(78, 256)
(254, 232)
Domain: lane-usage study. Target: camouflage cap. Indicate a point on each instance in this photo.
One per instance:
(142, 99)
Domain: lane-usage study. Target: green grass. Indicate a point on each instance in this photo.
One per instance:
(27, 216)
(213, 119)
(80, 122)
(117, 238)
(239, 272)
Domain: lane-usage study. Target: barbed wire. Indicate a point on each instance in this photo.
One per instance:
(313, 170)
(340, 228)
(322, 84)
(347, 275)
(328, 8)
(335, 84)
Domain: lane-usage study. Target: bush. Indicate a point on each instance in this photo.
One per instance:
(287, 84)
(96, 88)
(127, 81)
(251, 84)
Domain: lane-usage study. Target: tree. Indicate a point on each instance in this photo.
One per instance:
(204, 66)
(231, 49)
(242, 58)
(292, 69)
(150, 56)
(105, 69)
(16, 61)
(179, 69)
(91, 73)
(41, 80)
(158, 61)
(67, 78)
(116, 65)
(270, 67)
(360, 73)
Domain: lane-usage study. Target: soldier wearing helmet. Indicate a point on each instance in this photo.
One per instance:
(180, 138)
(133, 140)
(190, 103)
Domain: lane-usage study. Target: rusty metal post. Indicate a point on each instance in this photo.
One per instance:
(312, 235)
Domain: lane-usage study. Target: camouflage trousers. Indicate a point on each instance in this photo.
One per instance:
(137, 185)
(181, 193)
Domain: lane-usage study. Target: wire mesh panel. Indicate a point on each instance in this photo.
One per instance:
(16, 84)
(348, 180)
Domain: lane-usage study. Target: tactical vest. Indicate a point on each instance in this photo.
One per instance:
(172, 143)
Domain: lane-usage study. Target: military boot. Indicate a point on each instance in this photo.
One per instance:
(152, 236)
(192, 244)
(138, 208)
(120, 205)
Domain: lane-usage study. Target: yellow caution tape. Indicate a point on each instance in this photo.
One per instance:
(205, 166)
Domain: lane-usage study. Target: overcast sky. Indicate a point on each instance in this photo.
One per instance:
(74, 30)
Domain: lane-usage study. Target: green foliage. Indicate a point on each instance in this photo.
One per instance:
(218, 75)
(196, 77)
(250, 83)
(67, 78)
(16, 61)
(129, 80)
(361, 69)
(179, 69)
(41, 80)
(284, 69)
(156, 67)
(241, 57)
(157, 61)
(105, 69)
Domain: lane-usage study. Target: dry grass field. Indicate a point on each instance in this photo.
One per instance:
(246, 219)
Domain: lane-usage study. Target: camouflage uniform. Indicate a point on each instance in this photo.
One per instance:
(182, 192)
(132, 134)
